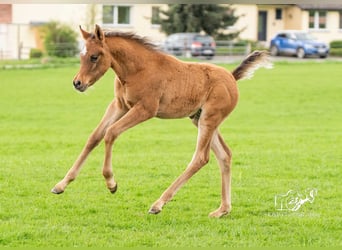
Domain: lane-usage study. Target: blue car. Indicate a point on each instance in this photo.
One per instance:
(298, 43)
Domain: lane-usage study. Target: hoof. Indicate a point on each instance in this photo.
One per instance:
(154, 210)
(56, 191)
(113, 189)
(218, 213)
(221, 211)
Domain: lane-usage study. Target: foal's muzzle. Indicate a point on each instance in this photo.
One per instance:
(79, 86)
(77, 83)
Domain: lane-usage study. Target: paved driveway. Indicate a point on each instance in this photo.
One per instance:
(236, 59)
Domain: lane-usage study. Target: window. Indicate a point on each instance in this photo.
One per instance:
(340, 26)
(317, 19)
(279, 14)
(155, 15)
(113, 14)
(107, 14)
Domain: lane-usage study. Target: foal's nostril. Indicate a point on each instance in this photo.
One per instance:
(77, 83)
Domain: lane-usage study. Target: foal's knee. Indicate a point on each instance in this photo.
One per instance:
(110, 137)
(202, 160)
(93, 141)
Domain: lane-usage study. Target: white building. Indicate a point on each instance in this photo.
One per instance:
(19, 22)
(20, 31)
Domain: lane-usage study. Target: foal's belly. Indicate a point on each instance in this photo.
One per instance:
(178, 108)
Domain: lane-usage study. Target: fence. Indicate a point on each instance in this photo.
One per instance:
(223, 48)
(229, 48)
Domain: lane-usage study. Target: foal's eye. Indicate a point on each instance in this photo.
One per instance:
(93, 58)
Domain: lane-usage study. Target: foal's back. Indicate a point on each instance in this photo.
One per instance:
(185, 86)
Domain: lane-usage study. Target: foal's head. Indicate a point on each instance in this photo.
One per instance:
(95, 59)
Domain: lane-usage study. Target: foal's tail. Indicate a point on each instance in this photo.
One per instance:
(254, 61)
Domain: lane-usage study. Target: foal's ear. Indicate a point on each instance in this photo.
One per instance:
(99, 33)
(85, 34)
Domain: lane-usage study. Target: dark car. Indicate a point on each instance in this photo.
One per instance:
(298, 43)
(194, 43)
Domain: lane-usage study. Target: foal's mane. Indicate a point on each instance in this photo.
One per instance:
(146, 42)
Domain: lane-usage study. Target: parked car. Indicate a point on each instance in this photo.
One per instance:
(195, 43)
(299, 43)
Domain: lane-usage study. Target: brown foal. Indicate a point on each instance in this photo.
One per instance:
(150, 84)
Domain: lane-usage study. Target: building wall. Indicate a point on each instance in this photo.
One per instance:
(26, 18)
(79, 14)
(71, 14)
(5, 19)
(332, 31)
(5, 13)
(276, 24)
(248, 14)
(333, 21)
(293, 18)
(141, 22)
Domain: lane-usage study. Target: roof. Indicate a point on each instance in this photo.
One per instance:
(316, 6)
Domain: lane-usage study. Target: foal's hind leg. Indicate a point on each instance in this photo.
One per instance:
(223, 156)
(112, 114)
(218, 105)
(208, 122)
(200, 158)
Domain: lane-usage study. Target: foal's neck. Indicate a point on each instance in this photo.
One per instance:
(128, 57)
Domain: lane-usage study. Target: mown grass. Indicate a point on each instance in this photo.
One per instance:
(285, 134)
(45, 62)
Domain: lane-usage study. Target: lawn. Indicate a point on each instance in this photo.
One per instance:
(285, 134)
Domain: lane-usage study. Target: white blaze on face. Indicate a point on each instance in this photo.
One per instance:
(84, 51)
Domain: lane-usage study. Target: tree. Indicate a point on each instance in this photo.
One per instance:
(213, 19)
(59, 39)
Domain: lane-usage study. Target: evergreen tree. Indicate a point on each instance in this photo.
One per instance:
(210, 18)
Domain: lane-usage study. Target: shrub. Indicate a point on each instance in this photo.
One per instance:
(59, 40)
(335, 51)
(36, 53)
(336, 44)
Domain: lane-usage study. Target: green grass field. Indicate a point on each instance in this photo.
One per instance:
(285, 134)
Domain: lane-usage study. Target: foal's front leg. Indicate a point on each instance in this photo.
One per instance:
(112, 114)
(133, 117)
